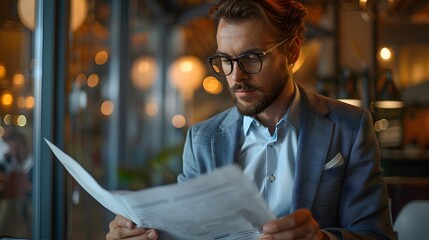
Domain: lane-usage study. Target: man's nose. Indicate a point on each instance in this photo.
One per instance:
(237, 74)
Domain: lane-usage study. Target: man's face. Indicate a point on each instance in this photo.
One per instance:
(253, 93)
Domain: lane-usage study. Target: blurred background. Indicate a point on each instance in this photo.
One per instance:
(116, 84)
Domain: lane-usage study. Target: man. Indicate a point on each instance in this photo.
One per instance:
(315, 160)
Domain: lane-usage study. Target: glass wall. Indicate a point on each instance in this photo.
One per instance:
(16, 121)
(134, 84)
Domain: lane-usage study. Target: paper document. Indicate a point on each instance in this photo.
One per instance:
(223, 204)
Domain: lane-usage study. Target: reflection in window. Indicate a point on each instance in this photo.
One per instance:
(16, 123)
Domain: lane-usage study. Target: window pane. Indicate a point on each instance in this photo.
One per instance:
(87, 111)
(128, 105)
(16, 117)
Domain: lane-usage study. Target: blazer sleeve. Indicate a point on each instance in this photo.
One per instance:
(210, 144)
(190, 165)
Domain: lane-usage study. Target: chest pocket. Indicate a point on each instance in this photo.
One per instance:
(327, 198)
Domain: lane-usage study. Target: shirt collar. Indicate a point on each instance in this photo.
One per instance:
(291, 116)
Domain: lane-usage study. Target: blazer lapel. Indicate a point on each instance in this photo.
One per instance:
(224, 142)
(314, 139)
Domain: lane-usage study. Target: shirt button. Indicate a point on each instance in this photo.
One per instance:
(272, 178)
(271, 144)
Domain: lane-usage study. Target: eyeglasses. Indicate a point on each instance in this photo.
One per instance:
(250, 63)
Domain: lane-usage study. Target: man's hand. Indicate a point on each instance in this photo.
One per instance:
(298, 225)
(123, 228)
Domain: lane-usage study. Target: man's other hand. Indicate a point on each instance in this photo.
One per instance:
(123, 228)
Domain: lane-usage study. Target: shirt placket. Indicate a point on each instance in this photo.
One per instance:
(271, 162)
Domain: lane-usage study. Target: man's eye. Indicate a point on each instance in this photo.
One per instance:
(251, 58)
(226, 61)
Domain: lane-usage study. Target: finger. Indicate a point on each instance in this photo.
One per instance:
(293, 220)
(303, 231)
(123, 228)
(121, 222)
(127, 233)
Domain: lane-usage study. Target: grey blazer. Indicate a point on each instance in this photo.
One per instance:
(349, 200)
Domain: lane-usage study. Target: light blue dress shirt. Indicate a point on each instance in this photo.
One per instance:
(269, 160)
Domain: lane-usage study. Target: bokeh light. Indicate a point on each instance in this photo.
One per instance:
(107, 108)
(7, 119)
(186, 74)
(21, 102)
(29, 103)
(212, 85)
(143, 72)
(92, 80)
(2, 131)
(385, 54)
(2, 71)
(178, 121)
(7, 99)
(20, 120)
(151, 109)
(18, 79)
(101, 57)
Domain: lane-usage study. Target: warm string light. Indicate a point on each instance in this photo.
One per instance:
(144, 72)
(186, 74)
(385, 53)
(27, 9)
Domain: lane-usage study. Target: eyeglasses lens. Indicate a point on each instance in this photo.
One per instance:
(249, 63)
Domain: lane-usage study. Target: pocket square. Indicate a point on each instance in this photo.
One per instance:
(338, 160)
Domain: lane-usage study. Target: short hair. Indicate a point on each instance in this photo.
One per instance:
(285, 18)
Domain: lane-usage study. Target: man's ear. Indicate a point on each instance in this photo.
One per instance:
(294, 50)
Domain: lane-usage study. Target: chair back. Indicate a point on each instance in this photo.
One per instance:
(412, 222)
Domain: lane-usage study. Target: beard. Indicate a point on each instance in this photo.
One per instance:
(266, 100)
